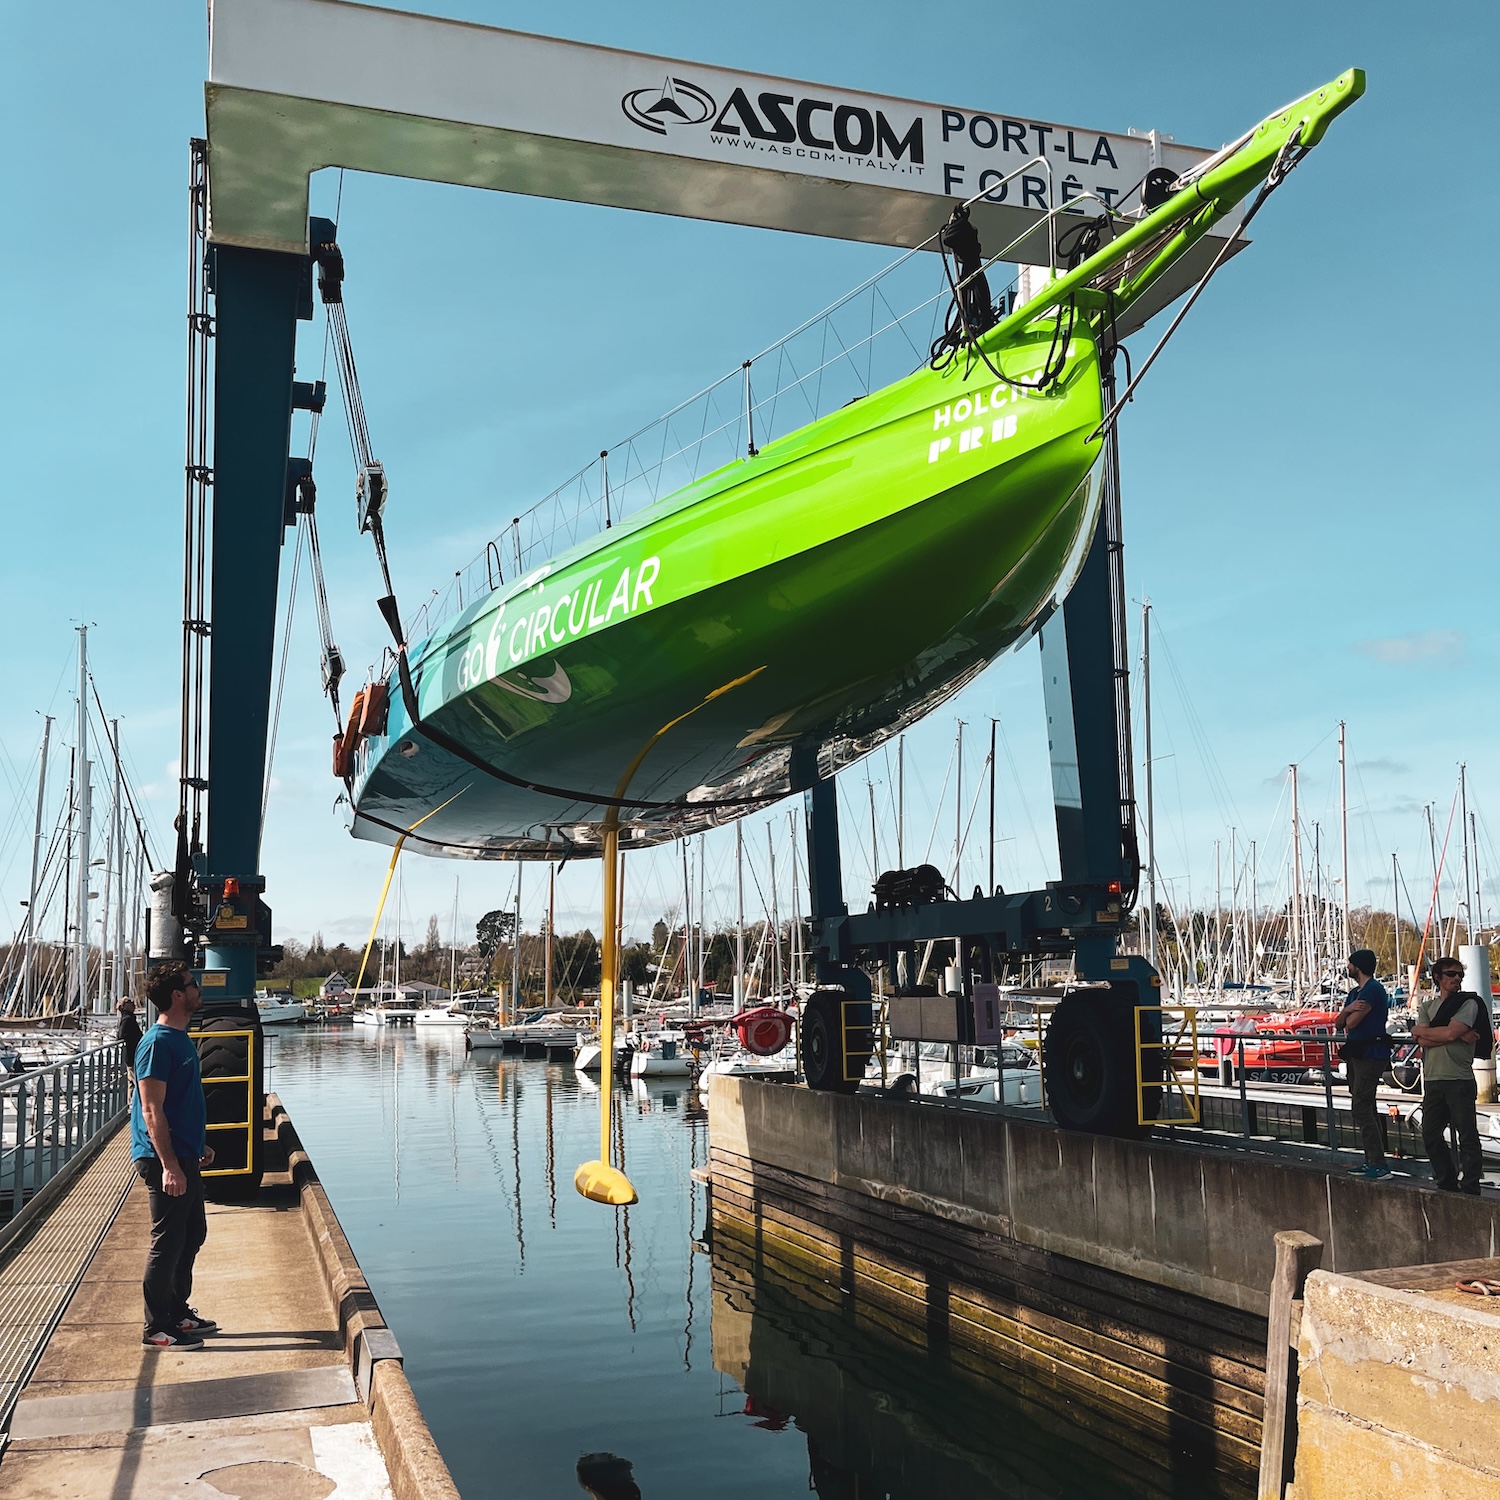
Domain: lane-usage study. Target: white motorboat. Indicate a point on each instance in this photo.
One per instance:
(276, 1010)
(743, 1064)
(589, 1050)
(662, 1054)
(1017, 1080)
(396, 1013)
(431, 1015)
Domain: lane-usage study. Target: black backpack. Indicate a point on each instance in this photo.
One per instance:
(1484, 1048)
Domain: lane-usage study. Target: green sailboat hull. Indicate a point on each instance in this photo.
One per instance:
(792, 610)
(845, 580)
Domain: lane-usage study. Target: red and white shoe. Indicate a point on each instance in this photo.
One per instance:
(196, 1323)
(171, 1339)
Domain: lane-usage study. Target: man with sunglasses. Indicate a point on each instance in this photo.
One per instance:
(1447, 1030)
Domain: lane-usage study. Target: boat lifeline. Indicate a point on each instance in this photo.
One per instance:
(788, 611)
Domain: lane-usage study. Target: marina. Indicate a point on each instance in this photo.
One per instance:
(922, 923)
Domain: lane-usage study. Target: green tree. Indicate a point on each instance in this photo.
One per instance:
(494, 929)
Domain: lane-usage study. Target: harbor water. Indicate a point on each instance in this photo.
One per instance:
(538, 1328)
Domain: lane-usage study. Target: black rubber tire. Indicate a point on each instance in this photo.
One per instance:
(822, 1031)
(1089, 1057)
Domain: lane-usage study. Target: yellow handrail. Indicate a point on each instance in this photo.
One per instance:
(1170, 1048)
(249, 1123)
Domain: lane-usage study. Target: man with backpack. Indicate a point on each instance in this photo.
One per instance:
(1453, 1026)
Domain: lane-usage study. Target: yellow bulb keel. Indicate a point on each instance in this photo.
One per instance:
(604, 1184)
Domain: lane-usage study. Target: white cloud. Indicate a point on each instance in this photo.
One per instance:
(1441, 647)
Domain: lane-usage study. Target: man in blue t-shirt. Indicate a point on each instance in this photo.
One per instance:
(169, 1145)
(1366, 1054)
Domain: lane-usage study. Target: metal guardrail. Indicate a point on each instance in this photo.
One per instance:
(1326, 1041)
(251, 1119)
(1172, 1050)
(49, 1114)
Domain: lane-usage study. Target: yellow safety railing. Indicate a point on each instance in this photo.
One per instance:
(876, 1028)
(1174, 1055)
(250, 1122)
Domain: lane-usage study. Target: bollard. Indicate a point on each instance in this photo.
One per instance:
(1484, 1080)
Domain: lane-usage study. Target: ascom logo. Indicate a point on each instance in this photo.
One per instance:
(782, 119)
(777, 122)
(676, 102)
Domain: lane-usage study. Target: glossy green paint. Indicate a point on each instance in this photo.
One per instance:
(860, 567)
(846, 580)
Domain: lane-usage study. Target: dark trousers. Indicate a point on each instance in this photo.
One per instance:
(178, 1228)
(1449, 1102)
(1364, 1078)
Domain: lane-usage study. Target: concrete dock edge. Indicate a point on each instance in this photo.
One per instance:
(416, 1467)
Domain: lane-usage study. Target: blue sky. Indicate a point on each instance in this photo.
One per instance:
(1309, 494)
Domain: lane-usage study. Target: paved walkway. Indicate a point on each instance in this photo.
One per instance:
(267, 1410)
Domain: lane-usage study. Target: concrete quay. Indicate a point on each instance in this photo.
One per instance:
(1398, 1386)
(301, 1395)
(1140, 1284)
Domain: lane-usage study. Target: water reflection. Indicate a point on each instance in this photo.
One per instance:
(557, 1346)
(889, 1408)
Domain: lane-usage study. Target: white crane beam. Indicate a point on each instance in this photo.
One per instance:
(298, 85)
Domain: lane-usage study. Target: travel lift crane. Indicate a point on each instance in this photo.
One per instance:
(299, 85)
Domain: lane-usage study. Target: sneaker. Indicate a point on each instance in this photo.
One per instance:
(195, 1322)
(1360, 1171)
(171, 1339)
(1374, 1174)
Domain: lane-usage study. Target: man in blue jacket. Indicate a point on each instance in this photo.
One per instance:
(1366, 1054)
(169, 1145)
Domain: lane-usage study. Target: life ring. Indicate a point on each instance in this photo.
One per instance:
(764, 1030)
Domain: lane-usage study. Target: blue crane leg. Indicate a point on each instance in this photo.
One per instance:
(257, 296)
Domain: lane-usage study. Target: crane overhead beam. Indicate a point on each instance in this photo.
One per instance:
(299, 85)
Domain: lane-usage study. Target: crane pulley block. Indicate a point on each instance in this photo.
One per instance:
(370, 492)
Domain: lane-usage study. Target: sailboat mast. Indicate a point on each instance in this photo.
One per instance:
(1344, 831)
(113, 882)
(1478, 886)
(1296, 911)
(1234, 908)
(1254, 956)
(101, 993)
(551, 925)
(1463, 829)
(874, 841)
(122, 857)
(453, 950)
(66, 957)
(989, 890)
(775, 912)
(1396, 911)
(80, 990)
(515, 949)
(958, 810)
(1150, 786)
(28, 984)
(1218, 918)
(396, 960)
(739, 917)
(1315, 966)
(900, 804)
(703, 913)
(687, 932)
(795, 946)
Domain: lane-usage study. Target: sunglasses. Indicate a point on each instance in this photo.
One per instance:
(1450, 973)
